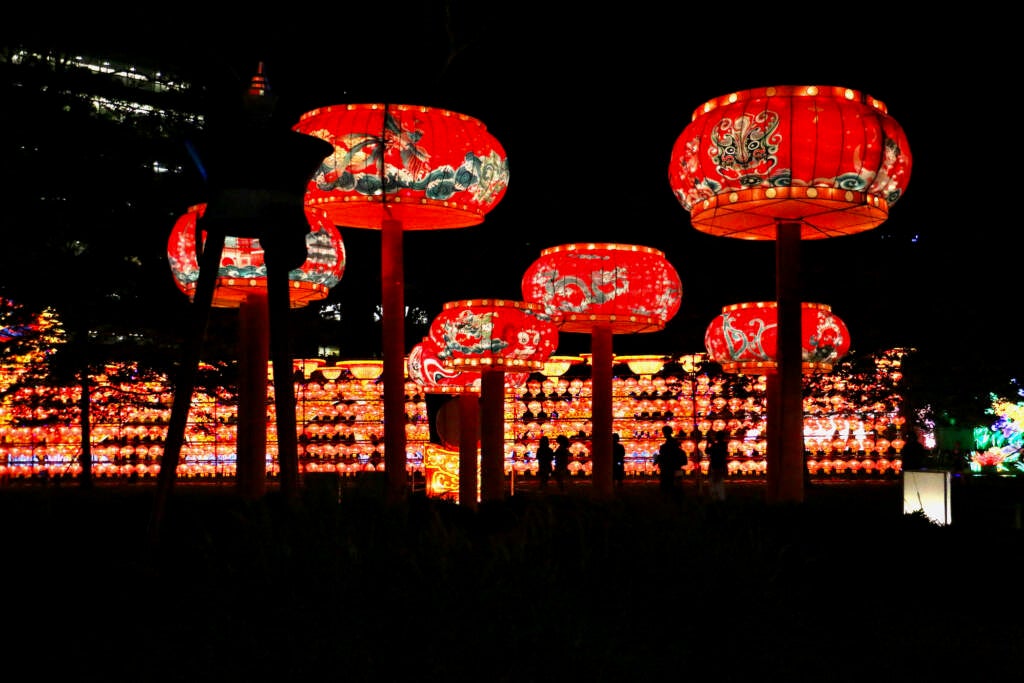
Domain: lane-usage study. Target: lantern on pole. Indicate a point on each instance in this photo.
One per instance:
(402, 167)
(601, 290)
(492, 336)
(241, 282)
(789, 163)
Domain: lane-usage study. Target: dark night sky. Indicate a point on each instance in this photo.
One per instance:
(588, 103)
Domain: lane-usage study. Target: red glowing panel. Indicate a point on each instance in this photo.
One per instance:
(426, 168)
(242, 270)
(630, 288)
(744, 338)
(829, 158)
(483, 334)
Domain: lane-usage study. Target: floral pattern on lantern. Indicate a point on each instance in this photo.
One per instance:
(744, 337)
(478, 334)
(827, 157)
(427, 168)
(242, 269)
(631, 288)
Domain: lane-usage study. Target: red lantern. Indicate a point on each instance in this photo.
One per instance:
(427, 370)
(242, 271)
(627, 287)
(483, 334)
(826, 157)
(744, 338)
(423, 167)
(396, 168)
(488, 336)
(603, 289)
(789, 163)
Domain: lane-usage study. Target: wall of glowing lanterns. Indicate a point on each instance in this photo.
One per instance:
(340, 422)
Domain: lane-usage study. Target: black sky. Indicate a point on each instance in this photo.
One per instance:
(588, 100)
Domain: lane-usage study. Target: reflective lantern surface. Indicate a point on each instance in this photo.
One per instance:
(830, 158)
(478, 334)
(242, 269)
(424, 167)
(627, 287)
(744, 337)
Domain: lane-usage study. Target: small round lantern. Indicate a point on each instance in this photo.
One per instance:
(489, 336)
(744, 338)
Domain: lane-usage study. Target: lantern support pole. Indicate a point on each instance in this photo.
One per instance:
(469, 452)
(492, 435)
(393, 330)
(601, 410)
(253, 321)
(785, 458)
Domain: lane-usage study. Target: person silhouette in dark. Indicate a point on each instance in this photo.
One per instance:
(545, 456)
(618, 461)
(669, 459)
(562, 457)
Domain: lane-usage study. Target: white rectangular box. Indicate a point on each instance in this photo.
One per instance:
(927, 491)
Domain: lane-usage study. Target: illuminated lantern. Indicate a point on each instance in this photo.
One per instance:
(399, 167)
(492, 336)
(601, 290)
(788, 163)
(242, 270)
(744, 338)
(241, 282)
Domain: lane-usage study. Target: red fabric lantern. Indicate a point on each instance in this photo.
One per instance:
(426, 168)
(787, 163)
(604, 289)
(827, 157)
(242, 271)
(744, 338)
(483, 334)
(627, 287)
(428, 371)
(399, 167)
(489, 336)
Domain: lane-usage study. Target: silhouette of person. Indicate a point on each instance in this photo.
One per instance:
(562, 457)
(618, 461)
(718, 453)
(669, 459)
(545, 456)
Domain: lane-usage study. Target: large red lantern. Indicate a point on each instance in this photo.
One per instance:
(787, 163)
(604, 289)
(627, 287)
(828, 158)
(491, 336)
(402, 167)
(243, 272)
(744, 338)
